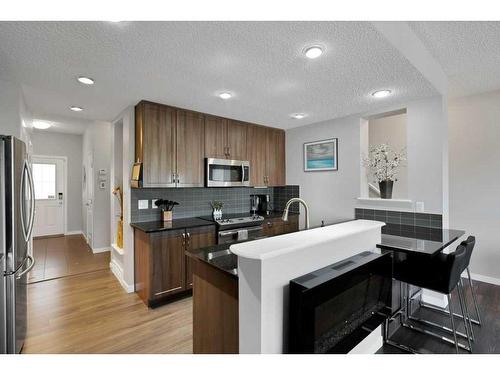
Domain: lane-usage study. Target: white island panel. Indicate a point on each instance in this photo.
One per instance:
(266, 266)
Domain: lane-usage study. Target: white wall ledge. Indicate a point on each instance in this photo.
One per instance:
(401, 204)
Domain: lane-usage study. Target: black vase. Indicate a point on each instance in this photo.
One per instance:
(385, 189)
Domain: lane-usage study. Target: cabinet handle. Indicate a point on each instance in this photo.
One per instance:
(184, 239)
(178, 179)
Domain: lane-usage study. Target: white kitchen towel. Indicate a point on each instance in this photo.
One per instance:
(242, 235)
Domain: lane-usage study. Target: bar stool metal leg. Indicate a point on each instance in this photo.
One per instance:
(474, 297)
(464, 315)
(453, 323)
(461, 285)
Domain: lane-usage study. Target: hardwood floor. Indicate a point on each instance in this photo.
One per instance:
(91, 313)
(64, 256)
(487, 337)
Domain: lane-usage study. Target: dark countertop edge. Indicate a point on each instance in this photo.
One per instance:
(457, 234)
(192, 255)
(159, 226)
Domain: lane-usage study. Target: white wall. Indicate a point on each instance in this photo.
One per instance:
(70, 146)
(332, 195)
(391, 130)
(15, 118)
(122, 265)
(474, 144)
(97, 140)
(329, 195)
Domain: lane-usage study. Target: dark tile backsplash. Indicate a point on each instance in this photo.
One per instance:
(195, 202)
(411, 219)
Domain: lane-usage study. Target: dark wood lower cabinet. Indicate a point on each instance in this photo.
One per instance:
(196, 239)
(276, 226)
(162, 270)
(215, 310)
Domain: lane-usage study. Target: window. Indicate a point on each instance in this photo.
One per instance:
(44, 179)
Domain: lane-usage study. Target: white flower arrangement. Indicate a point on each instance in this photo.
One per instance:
(384, 162)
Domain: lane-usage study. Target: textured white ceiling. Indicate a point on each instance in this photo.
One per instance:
(186, 63)
(468, 52)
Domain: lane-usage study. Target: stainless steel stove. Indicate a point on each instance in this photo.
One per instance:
(239, 227)
(240, 221)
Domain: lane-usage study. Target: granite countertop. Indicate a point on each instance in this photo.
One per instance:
(421, 240)
(218, 256)
(159, 226)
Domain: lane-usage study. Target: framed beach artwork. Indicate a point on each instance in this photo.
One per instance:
(321, 155)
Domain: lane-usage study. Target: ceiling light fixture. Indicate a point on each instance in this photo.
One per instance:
(313, 52)
(381, 93)
(298, 116)
(41, 125)
(85, 80)
(76, 109)
(225, 95)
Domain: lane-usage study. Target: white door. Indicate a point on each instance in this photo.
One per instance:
(49, 181)
(89, 197)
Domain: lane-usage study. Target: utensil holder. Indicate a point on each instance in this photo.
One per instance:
(167, 215)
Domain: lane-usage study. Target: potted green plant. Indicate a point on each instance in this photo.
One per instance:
(217, 209)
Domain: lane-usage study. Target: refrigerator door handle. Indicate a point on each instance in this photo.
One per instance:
(27, 230)
(32, 206)
(30, 267)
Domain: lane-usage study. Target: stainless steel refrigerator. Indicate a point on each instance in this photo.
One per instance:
(17, 211)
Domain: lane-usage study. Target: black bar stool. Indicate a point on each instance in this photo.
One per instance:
(469, 244)
(440, 274)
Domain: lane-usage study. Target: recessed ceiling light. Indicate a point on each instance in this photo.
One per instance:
(41, 125)
(381, 93)
(225, 95)
(313, 52)
(298, 116)
(76, 109)
(85, 80)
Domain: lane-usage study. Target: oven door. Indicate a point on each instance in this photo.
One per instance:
(240, 234)
(226, 173)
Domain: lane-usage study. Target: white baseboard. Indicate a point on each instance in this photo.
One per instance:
(118, 272)
(101, 250)
(73, 232)
(484, 279)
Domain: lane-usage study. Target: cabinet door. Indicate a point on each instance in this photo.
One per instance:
(273, 227)
(190, 134)
(256, 152)
(275, 157)
(215, 137)
(158, 145)
(236, 140)
(167, 263)
(196, 239)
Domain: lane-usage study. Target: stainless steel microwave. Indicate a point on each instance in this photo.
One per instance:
(226, 173)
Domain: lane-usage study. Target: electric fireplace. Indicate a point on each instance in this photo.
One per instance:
(334, 308)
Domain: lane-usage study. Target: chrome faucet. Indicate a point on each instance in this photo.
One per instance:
(293, 200)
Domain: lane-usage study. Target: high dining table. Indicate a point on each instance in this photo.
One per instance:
(412, 243)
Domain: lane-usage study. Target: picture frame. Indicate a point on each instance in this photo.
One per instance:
(321, 155)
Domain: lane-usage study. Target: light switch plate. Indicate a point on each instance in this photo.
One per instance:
(153, 203)
(143, 204)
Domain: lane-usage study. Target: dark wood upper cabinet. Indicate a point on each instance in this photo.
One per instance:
(172, 144)
(275, 157)
(215, 137)
(168, 264)
(225, 138)
(236, 140)
(155, 144)
(256, 152)
(190, 134)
